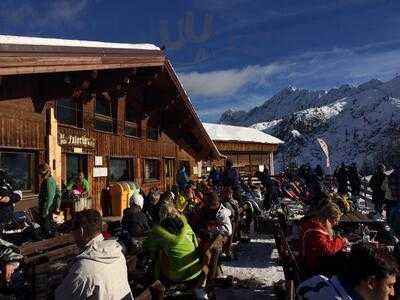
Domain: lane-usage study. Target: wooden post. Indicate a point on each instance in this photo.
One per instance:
(54, 150)
(271, 163)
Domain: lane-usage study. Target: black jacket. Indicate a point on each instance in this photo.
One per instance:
(6, 209)
(135, 222)
(376, 184)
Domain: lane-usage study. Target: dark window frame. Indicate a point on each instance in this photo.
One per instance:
(130, 125)
(145, 178)
(131, 168)
(98, 117)
(169, 172)
(78, 113)
(149, 130)
(32, 163)
(132, 122)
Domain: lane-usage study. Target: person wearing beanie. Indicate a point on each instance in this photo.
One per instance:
(134, 220)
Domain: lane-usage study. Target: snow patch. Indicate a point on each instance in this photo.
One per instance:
(296, 133)
(264, 126)
(24, 40)
(218, 132)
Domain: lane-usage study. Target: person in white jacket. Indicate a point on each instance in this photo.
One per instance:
(217, 215)
(99, 271)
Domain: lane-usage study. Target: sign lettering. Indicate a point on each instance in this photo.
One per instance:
(73, 140)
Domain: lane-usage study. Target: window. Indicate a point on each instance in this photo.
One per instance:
(104, 125)
(104, 114)
(131, 124)
(121, 169)
(169, 168)
(69, 112)
(152, 133)
(151, 169)
(19, 166)
(103, 105)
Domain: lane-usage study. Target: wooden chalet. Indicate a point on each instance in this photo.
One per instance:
(117, 112)
(246, 147)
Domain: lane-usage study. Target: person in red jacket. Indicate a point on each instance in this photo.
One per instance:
(317, 240)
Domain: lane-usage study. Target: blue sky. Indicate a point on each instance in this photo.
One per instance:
(234, 53)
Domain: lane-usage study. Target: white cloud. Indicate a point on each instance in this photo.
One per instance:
(316, 69)
(327, 68)
(41, 16)
(250, 86)
(224, 83)
(66, 10)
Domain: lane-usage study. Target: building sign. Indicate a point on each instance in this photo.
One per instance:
(100, 172)
(78, 150)
(78, 141)
(98, 161)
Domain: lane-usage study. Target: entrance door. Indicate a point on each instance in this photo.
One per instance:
(169, 167)
(76, 163)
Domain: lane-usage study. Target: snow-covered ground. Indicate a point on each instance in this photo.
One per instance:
(254, 272)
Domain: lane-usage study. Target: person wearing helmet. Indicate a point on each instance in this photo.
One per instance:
(8, 197)
(134, 220)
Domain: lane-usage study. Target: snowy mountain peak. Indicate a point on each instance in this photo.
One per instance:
(231, 117)
(289, 89)
(372, 84)
(358, 123)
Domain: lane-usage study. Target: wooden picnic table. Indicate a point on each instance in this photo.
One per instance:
(356, 217)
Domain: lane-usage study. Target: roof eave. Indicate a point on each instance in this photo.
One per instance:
(30, 59)
(216, 154)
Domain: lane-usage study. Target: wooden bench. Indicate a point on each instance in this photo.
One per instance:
(45, 264)
(210, 260)
(156, 291)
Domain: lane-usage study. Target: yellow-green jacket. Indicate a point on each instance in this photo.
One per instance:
(176, 255)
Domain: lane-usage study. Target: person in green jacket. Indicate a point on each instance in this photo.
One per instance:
(79, 184)
(49, 200)
(173, 246)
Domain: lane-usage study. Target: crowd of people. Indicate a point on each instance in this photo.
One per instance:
(332, 267)
(174, 229)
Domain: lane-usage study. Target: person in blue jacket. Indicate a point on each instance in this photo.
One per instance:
(183, 178)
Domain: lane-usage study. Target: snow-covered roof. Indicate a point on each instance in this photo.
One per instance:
(35, 41)
(219, 132)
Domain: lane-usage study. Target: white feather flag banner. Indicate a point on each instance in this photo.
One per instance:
(325, 149)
